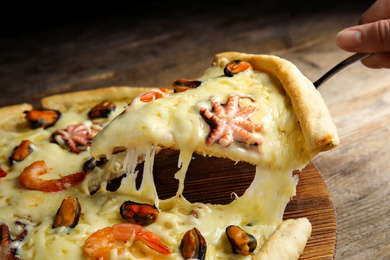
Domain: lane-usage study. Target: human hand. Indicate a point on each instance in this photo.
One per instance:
(372, 35)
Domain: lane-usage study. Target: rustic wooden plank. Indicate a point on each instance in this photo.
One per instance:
(151, 46)
(357, 172)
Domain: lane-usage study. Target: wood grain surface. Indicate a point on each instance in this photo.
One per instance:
(156, 43)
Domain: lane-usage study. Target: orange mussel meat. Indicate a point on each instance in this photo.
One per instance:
(20, 152)
(193, 245)
(138, 213)
(68, 214)
(42, 118)
(103, 110)
(235, 67)
(181, 85)
(241, 242)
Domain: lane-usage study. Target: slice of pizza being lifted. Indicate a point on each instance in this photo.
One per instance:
(258, 109)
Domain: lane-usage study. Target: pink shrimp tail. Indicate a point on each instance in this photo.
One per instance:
(154, 242)
(99, 244)
(29, 179)
(146, 237)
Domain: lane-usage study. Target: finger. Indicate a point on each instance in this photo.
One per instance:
(367, 38)
(378, 11)
(377, 61)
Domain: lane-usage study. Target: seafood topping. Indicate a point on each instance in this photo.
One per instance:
(20, 152)
(231, 123)
(138, 213)
(68, 214)
(103, 110)
(152, 95)
(236, 66)
(77, 136)
(99, 244)
(241, 242)
(6, 251)
(91, 163)
(29, 179)
(42, 118)
(2, 173)
(193, 245)
(181, 85)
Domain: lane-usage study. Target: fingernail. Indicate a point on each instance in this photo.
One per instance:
(349, 39)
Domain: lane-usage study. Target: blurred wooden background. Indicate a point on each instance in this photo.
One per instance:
(69, 47)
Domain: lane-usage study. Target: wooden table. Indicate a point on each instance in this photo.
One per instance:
(159, 43)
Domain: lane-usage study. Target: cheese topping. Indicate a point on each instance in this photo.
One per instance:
(173, 121)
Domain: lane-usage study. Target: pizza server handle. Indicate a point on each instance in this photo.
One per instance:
(340, 66)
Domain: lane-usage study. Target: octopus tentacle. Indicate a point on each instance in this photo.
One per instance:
(248, 125)
(217, 108)
(230, 122)
(232, 105)
(76, 135)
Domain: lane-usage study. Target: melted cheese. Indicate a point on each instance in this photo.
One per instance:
(174, 119)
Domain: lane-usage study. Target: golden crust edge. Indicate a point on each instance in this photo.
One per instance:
(9, 111)
(80, 100)
(312, 112)
(12, 117)
(292, 234)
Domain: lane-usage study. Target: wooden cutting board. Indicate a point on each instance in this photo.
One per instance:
(212, 180)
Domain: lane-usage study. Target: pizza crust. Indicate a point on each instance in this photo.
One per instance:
(12, 117)
(287, 242)
(81, 100)
(314, 117)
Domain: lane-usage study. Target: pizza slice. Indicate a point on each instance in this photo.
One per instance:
(254, 108)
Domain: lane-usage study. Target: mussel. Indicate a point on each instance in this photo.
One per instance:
(42, 118)
(236, 66)
(241, 242)
(181, 85)
(153, 95)
(103, 110)
(193, 245)
(139, 213)
(91, 163)
(68, 214)
(20, 152)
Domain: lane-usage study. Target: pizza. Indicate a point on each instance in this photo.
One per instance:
(57, 163)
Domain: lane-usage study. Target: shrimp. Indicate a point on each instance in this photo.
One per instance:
(152, 95)
(29, 179)
(2, 173)
(99, 244)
